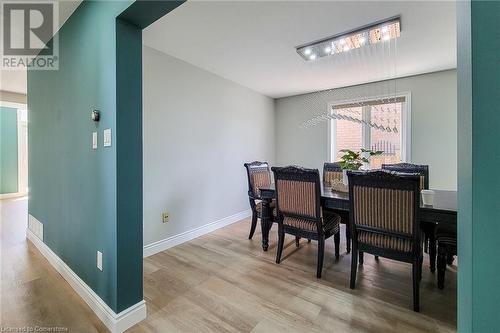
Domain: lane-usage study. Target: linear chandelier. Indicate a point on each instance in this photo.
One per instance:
(371, 34)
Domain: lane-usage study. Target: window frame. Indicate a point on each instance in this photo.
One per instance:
(405, 132)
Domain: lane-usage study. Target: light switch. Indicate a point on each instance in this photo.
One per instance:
(107, 137)
(94, 140)
(99, 260)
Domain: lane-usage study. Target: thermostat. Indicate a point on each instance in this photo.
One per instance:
(95, 115)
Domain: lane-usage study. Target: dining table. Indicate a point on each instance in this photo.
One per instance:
(443, 209)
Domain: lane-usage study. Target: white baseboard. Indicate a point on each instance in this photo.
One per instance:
(172, 241)
(35, 226)
(115, 322)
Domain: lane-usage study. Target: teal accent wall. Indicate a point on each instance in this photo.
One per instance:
(73, 189)
(479, 153)
(8, 150)
(485, 22)
(90, 200)
(129, 159)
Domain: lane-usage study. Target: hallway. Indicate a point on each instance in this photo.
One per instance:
(32, 292)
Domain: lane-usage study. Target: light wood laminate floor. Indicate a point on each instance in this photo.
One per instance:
(32, 293)
(223, 282)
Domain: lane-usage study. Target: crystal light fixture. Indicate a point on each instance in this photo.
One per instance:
(374, 33)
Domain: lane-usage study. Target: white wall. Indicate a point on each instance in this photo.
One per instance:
(434, 123)
(198, 130)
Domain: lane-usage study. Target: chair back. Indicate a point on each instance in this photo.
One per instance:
(422, 170)
(384, 209)
(331, 172)
(259, 176)
(298, 194)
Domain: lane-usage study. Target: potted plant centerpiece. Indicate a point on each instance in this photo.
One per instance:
(352, 160)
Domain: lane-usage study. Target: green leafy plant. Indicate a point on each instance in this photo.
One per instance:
(352, 160)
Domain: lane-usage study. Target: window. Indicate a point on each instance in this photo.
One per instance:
(377, 124)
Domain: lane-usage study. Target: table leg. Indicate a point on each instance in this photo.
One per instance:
(266, 223)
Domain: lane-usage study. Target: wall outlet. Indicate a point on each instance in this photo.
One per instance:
(99, 260)
(165, 217)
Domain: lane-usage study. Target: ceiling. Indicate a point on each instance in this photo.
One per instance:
(253, 42)
(16, 80)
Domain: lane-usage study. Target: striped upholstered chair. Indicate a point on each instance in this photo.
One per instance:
(428, 227)
(422, 170)
(332, 172)
(384, 220)
(299, 213)
(259, 176)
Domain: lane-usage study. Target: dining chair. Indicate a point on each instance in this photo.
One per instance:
(421, 170)
(332, 172)
(446, 236)
(259, 176)
(428, 227)
(384, 220)
(299, 212)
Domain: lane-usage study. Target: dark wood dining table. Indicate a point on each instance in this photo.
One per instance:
(444, 209)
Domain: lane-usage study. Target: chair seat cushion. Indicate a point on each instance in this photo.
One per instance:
(330, 223)
(258, 207)
(384, 241)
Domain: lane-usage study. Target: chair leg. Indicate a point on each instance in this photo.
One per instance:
(254, 225)
(321, 254)
(297, 241)
(354, 265)
(281, 241)
(441, 266)
(361, 258)
(348, 238)
(432, 253)
(416, 285)
(336, 239)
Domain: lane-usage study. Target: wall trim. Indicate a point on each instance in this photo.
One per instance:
(115, 322)
(22, 151)
(12, 195)
(183, 237)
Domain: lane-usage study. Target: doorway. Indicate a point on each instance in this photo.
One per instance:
(14, 150)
